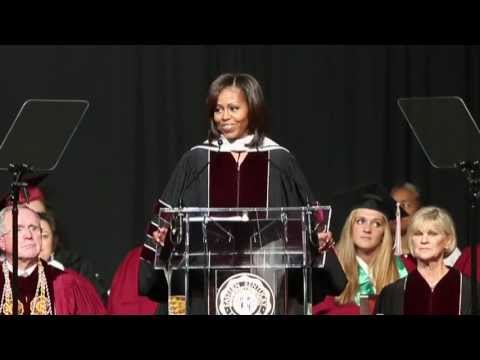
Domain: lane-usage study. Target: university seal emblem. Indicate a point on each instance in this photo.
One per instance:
(245, 294)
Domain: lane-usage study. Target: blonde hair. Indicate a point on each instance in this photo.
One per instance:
(439, 218)
(384, 270)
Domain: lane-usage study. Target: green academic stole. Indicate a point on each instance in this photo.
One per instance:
(365, 285)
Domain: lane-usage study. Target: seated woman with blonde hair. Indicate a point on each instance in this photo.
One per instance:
(433, 288)
(365, 251)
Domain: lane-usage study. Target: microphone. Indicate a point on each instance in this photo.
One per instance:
(177, 222)
(195, 177)
(303, 193)
(176, 225)
(190, 183)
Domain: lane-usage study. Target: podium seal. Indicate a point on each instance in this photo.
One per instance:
(245, 294)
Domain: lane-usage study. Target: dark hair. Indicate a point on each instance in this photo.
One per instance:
(49, 217)
(410, 187)
(257, 116)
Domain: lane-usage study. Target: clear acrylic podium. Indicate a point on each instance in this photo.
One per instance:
(240, 261)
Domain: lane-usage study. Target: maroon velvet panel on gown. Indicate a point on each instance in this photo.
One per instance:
(231, 186)
(420, 299)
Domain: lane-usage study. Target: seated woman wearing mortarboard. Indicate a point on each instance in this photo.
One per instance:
(238, 166)
(432, 288)
(365, 250)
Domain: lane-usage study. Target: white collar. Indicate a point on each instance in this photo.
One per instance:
(363, 264)
(239, 145)
(55, 263)
(22, 273)
(451, 259)
(235, 145)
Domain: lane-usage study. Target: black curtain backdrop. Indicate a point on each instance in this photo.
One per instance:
(333, 106)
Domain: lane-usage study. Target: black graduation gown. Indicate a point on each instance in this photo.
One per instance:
(188, 184)
(189, 187)
(453, 292)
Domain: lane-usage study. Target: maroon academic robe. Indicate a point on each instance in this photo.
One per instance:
(70, 292)
(75, 295)
(124, 297)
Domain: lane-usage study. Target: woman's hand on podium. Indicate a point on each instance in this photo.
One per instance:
(160, 235)
(325, 241)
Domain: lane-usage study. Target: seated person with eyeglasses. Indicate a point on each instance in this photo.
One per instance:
(42, 288)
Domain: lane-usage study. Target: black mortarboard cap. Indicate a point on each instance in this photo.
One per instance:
(371, 196)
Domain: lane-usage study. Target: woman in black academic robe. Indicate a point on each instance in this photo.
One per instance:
(433, 288)
(238, 166)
